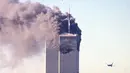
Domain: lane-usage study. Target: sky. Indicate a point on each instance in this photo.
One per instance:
(105, 33)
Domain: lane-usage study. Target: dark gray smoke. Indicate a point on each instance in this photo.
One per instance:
(26, 26)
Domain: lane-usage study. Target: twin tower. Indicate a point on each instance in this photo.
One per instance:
(67, 59)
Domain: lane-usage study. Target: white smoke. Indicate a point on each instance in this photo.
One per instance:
(24, 27)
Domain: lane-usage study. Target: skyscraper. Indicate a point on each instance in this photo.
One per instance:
(66, 59)
(69, 54)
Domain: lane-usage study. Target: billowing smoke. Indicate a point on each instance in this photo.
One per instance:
(24, 28)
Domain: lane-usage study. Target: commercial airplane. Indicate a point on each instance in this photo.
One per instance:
(110, 65)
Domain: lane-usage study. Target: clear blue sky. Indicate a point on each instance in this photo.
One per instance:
(105, 27)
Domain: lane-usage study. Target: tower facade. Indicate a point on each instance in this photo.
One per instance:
(69, 55)
(66, 59)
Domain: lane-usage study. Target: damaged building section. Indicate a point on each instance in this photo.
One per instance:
(69, 55)
(69, 30)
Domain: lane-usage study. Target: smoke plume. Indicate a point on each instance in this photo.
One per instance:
(24, 27)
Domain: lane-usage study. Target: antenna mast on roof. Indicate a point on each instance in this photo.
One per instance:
(69, 20)
(68, 17)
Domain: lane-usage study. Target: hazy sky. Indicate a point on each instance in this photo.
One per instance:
(105, 28)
